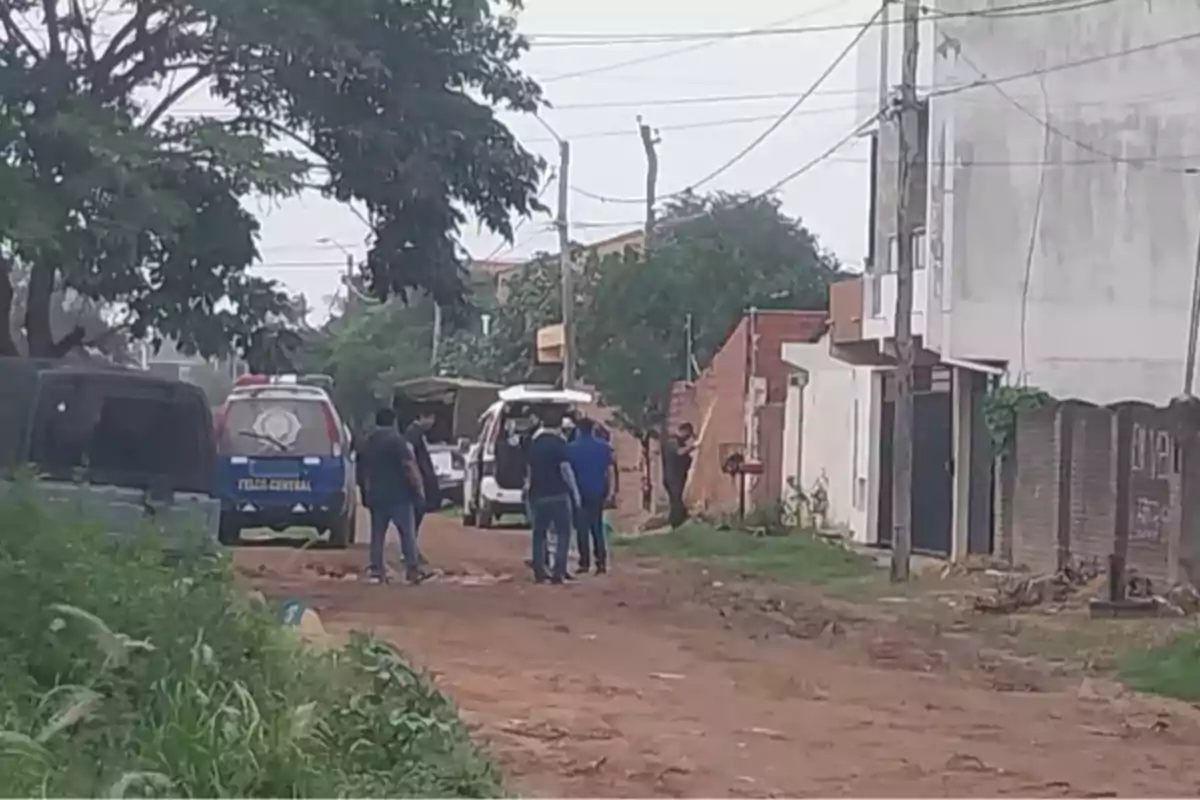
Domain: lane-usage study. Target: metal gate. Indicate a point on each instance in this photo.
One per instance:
(932, 458)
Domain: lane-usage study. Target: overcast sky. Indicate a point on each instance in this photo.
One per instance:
(303, 237)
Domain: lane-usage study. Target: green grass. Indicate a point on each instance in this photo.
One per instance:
(797, 557)
(1172, 669)
(124, 675)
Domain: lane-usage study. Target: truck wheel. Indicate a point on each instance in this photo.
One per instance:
(487, 515)
(230, 532)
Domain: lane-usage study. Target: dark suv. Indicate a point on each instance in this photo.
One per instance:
(114, 444)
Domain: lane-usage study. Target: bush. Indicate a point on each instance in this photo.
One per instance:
(1171, 669)
(122, 675)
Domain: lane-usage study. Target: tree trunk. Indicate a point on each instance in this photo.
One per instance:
(8, 347)
(647, 472)
(38, 335)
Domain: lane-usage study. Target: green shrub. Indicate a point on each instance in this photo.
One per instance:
(123, 675)
(1172, 669)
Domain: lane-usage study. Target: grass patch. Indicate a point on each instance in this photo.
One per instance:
(798, 557)
(125, 675)
(1171, 669)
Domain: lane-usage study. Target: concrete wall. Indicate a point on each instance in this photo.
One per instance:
(827, 439)
(1088, 296)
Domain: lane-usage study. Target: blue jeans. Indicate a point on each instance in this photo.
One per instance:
(589, 527)
(551, 512)
(402, 515)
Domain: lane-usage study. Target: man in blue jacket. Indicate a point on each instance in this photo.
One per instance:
(592, 462)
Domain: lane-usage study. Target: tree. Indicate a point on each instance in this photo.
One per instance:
(531, 299)
(715, 257)
(368, 349)
(104, 193)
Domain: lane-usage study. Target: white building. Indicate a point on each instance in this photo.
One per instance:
(1058, 209)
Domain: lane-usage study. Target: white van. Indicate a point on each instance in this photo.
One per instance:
(495, 474)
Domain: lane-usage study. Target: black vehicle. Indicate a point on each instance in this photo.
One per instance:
(111, 443)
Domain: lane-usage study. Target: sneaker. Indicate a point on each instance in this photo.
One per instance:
(601, 569)
(418, 577)
(376, 580)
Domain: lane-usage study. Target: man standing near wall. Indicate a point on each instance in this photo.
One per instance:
(677, 462)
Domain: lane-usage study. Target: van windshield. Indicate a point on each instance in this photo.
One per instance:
(273, 426)
(122, 431)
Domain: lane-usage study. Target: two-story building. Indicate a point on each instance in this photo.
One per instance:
(1057, 196)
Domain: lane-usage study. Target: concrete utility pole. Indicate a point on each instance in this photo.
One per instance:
(649, 143)
(907, 125)
(437, 337)
(566, 271)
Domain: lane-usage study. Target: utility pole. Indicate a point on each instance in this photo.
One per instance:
(649, 143)
(566, 276)
(437, 337)
(907, 122)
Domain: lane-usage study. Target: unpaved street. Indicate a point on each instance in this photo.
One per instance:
(653, 682)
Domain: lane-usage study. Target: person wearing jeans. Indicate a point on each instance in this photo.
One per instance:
(592, 463)
(394, 490)
(552, 494)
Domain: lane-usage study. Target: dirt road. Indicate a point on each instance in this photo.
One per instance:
(652, 681)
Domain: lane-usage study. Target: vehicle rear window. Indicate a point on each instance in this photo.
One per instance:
(263, 426)
(122, 431)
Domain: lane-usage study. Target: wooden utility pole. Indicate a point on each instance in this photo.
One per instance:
(649, 144)
(907, 122)
(566, 271)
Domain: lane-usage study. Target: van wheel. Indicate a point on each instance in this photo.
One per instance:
(487, 515)
(230, 532)
(341, 532)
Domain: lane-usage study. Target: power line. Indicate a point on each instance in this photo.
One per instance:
(678, 51)
(1032, 9)
(520, 223)
(791, 176)
(762, 137)
(1051, 128)
(1083, 62)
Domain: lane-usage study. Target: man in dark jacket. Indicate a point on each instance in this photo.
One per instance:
(393, 490)
(417, 435)
(677, 462)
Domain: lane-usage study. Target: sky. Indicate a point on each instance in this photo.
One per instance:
(709, 104)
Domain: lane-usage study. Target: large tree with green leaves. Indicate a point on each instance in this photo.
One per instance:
(715, 257)
(104, 192)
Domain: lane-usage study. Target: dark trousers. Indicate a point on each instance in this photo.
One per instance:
(399, 514)
(589, 529)
(677, 512)
(551, 514)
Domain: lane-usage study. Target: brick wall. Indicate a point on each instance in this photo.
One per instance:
(752, 349)
(1096, 481)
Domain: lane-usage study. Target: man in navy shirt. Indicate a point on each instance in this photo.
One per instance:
(392, 491)
(552, 495)
(592, 462)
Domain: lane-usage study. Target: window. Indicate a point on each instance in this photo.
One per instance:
(275, 426)
(122, 431)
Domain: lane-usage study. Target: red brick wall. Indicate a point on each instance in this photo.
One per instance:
(722, 387)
